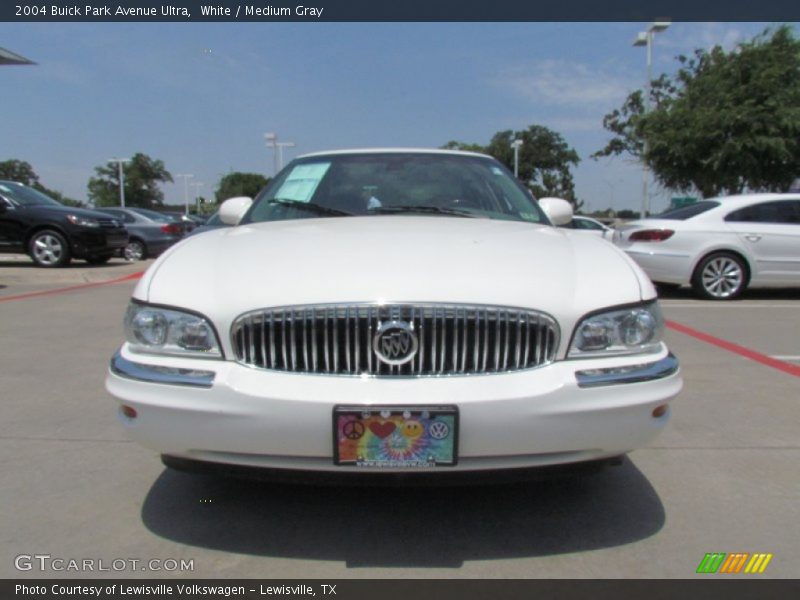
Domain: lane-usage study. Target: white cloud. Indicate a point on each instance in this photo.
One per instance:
(684, 38)
(562, 82)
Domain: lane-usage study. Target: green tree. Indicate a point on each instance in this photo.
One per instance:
(240, 184)
(545, 160)
(22, 172)
(142, 177)
(455, 145)
(19, 171)
(726, 122)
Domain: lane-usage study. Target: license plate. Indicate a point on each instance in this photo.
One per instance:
(395, 437)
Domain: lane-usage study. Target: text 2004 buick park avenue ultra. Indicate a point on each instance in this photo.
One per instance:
(393, 311)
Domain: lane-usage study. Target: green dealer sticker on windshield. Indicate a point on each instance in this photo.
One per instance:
(302, 182)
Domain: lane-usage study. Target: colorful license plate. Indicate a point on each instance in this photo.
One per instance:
(395, 437)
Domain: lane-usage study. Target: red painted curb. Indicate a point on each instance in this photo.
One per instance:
(736, 349)
(72, 288)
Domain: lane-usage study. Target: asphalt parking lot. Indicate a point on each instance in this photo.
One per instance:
(724, 477)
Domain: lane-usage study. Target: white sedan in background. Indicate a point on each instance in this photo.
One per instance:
(720, 246)
(393, 311)
(589, 226)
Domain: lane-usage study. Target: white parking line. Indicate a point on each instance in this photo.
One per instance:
(793, 358)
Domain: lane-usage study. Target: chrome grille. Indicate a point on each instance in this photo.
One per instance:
(338, 339)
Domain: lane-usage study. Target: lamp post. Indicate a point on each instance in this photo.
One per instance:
(515, 144)
(611, 185)
(645, 39)
(120, 162)
(197, 185)
(277, 149)
(186, 177)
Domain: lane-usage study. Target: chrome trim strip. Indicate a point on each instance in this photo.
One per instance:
(157, 374)
(632, 374)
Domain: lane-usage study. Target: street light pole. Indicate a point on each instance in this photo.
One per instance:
(515, 145)
(186, 177)
(120, 162)
(645, 38)
(281, 146)
(277, 149)
(196, 185)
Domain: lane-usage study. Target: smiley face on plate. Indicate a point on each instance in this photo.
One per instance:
(412, 429)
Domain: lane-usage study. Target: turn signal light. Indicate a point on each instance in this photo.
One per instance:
(128, 411)
(651, 235)
(660, 411)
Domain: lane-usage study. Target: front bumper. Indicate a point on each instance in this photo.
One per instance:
(97, 242)
(222, 412)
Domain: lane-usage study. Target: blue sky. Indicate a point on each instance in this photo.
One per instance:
(200, 96)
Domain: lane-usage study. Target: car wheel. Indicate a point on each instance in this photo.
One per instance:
(98, 260)
(720, 276)
(135, 250)
(48, 248)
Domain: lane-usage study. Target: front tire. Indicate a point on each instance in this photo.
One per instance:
(720, 276)
(48, 248)
(134, 250)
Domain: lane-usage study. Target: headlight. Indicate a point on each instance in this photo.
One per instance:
(157, 330)
(635, 330)
(83, 221)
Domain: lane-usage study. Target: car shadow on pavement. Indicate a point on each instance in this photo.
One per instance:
(405, 527)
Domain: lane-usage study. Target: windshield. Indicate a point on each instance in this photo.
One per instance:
(25, 196)
(440, 185)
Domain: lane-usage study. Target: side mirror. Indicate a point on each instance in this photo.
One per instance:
(557, 210)
(232, 210)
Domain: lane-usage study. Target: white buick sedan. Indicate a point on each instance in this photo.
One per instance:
(720, 246)
(393, 311)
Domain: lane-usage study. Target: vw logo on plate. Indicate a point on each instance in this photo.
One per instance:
(395, 343)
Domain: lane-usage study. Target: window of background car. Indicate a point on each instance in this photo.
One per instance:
(155, 216)
(687, 212)
(587, 224)
(367, 184)
(118, 214)
(781, 211)
(26, 196)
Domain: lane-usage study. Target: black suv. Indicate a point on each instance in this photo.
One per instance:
(51, 233)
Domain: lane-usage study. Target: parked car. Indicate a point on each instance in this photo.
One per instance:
(213, 222)
(52, 234)
(590, 226)
(189, 222)
(151, 232)
(401, 311)
(720, 246)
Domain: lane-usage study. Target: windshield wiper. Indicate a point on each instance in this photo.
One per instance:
(439, 210)
(311, 207)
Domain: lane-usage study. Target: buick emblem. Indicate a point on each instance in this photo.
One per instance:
(395, 343)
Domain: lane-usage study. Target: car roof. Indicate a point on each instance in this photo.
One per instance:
(740, 200)
(394, 151)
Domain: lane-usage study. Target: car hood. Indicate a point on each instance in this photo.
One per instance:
(224, 273)
(69, 210)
